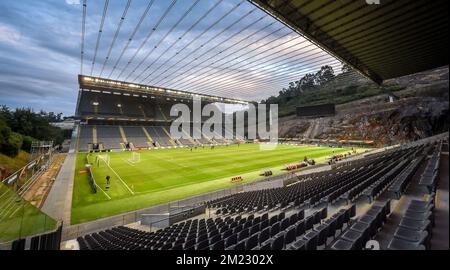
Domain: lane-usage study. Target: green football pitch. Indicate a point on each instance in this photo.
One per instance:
(165, 175)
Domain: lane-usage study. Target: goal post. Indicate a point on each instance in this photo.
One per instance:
(102, 159)
(135, 157)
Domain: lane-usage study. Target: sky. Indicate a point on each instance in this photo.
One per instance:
(221, 47)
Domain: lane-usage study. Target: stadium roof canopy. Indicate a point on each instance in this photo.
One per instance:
(382, 40)
(102, 84)
(225, 48)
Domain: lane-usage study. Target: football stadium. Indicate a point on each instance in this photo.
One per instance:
(224, 125)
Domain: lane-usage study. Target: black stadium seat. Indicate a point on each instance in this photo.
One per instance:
(219, 245)
(274, 229)
(251, 242)
(264, 235)
(231, 240)
(281, 218)
(278, 242)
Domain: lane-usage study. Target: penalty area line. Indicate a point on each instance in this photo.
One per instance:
(109, 198)
(128, 162)
(121, 180)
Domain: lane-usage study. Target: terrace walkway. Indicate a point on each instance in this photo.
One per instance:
(58, 204)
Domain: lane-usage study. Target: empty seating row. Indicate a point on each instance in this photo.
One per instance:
(379, 185)
(320, 234)
(288, 233)
(364, 228)
(262, 232)
(310, 190)
(103, 104)
(109, 136)
(415, 229)
(402, 180)
(388, 168)
(159, 135)
(85, 137)
(192, 234)
(137, 136)
(430, 174)
(325, 188)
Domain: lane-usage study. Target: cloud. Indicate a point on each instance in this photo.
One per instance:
(40, 50)
(9, 35)
(73, 2)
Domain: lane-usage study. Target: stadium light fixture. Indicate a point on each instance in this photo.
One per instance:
(99, 81)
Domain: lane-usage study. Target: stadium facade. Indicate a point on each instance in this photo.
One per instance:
(119, 115)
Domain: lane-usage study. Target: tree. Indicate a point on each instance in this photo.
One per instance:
(13, 145)
(346, 68)
(26, 143)
(324, 75)
(6, 114)
(307, 82)
(35, 125)
(5, 132)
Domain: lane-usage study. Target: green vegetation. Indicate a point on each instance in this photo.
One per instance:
(170, 174)
(18, 218)
(324, 87)
(13, 164)
(20, 127)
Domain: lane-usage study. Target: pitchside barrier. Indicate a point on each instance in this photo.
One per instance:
(74, 231)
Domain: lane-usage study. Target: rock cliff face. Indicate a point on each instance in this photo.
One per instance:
(418, 111)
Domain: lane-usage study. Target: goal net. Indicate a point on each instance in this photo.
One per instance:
(135, 157)
(102, 160)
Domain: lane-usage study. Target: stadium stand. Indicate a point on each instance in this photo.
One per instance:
(314, 211)
(85, 138)
(101, 103)
(429, 176)
(231, 233)
(137, 136)
(295, 217)
(158, 134)
(346, 184)
(109, 136)
(402, 180)
(364, 228)
(415, 229)
(187, 142)
(112, 118)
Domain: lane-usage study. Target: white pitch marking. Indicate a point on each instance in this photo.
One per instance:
(118, 176)
(127, 161)
(109, 198)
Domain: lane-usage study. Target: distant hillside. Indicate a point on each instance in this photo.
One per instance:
(420, 111)
(342, 88)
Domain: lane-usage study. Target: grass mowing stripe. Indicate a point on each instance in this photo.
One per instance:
(232, 170)
(169, 174)
(118, 176)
